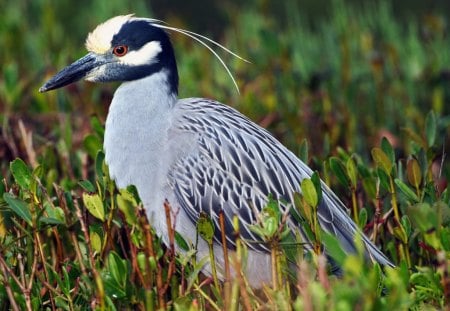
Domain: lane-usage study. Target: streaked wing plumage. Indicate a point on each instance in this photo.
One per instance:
(237, 166)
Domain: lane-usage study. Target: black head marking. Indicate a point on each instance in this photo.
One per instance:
(135, 34)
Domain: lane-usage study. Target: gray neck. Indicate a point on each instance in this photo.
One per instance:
(136, 129)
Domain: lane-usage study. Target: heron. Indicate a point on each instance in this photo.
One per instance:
(198, 154)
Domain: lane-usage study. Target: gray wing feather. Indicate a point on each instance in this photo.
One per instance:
(236, 166)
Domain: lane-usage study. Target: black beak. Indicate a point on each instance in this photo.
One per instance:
(72, 73)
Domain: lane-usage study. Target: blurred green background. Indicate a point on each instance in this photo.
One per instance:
(337, 73)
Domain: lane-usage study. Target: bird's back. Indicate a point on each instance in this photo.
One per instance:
(236, 166)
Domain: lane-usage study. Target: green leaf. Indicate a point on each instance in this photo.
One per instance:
(337, 166)
(303, 151)
(197, 268)
(39, 171)
(19, 207)
(304, 213)
(413, 136)
(291, 247)
(272, 209)
(118, 268)
(65, 286)
(363, 216)
(96, 241)
(370, 187)
(406, 190)
(61, 303)
(110, 303)
(443, 211)
(55, 216)
(181, 242)
(87, 185)
(270, 226)
(400, 234)
(97, 126)
(445, 239)
(309, 192)
(445, 195)
(352, 173)
(422, 216)
(384, 179)
(315, 178)
(333, 247)
(413, 172)
(430, 128)
(99, 159)
(92, 144)
(113, 288)
(406, 225)
(141, 259)
(205, 227)
(21, 172)
(382, 160)
(258, 229)
(94, 205)
(127, 205)
(387, 149)
(152, 263)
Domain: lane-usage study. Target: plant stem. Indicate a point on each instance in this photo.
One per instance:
(213, 265)
(212, 304)
(274, 262)
(226, 285)
(234, 303)
(355, 207)
(394, 200)
(151, 254)
(98, 280)
(404, 253)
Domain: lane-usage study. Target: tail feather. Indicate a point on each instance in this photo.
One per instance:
(334, 219)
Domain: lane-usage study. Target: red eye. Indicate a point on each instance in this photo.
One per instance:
(120, 50)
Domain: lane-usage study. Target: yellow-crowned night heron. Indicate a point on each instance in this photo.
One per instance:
(200, 155)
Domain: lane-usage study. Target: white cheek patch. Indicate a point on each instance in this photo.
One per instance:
(144, 56)
(95, 73)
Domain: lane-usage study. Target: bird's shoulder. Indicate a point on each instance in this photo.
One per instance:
(229, 141)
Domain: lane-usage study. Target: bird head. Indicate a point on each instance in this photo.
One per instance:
(124, 48)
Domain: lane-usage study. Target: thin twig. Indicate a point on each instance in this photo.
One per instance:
(377, 211)
(27, 140)
(12, 300)
(97, 278)
(206, 297)
(441, 167)
(238, 270)
(10, 272)
(67, 214)
(171, 232)
(151, 254)
(304, 279)
(10, 141)
(322, 273)
(33, 270)
(40, 252)
(227, 282)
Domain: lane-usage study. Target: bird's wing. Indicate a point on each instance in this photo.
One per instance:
(236, 167)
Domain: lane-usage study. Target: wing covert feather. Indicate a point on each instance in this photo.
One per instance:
(234, 169)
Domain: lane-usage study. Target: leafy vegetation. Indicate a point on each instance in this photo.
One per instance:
(361, 97)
